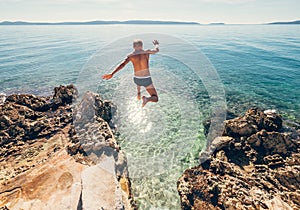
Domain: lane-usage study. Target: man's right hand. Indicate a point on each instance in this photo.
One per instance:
(107, 76)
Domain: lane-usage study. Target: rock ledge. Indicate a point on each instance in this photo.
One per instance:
(254, 165)
(50, 159)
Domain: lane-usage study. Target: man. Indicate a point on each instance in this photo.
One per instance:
(140, 60)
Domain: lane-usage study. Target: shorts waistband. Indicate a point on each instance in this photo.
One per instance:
(142, 77)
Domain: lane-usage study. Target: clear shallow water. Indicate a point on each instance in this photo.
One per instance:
(258, 65)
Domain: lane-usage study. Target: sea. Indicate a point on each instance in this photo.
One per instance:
(242, 66)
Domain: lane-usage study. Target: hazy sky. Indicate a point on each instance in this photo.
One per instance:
(203, 11)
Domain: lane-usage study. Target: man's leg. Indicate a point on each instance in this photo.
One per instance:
(153, 95)
(138, 92)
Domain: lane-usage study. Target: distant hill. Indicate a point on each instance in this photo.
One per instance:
(292, 22)
(217, 24)
(100, 22)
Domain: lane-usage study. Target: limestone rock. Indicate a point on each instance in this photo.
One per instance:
(104, 193)
(64, 95)
(31, 101)
(255, 165)
(253, 121)
(48, 161)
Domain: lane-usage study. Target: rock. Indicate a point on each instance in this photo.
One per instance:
(278, 203)
(274, 161)
(272, 122)
(31, 101)
(255, 165)
(295, 125)
(220, 142)
(2, 98)
(25, 117)
(4, 208)
(44, 185)
(93, 107)
(97, 193)
(64, 95)
(253, 121)
(105, 110)
(240, 128)
(5, 121)
(49, 160)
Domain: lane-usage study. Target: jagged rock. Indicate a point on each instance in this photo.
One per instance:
(92, 108)
(45, 156)
(25, 117)
(104, 109)
(274, 160)
(273, 142)
(272, 121)
(220, 142)
(4, 208)
(253, 121)
(255, 165)
(64, 95)
(31, 101)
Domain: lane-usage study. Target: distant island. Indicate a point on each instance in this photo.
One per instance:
(141, 22)
(291, 22)
(217, 24)
(101, 22)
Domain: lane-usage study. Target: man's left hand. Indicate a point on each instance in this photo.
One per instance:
(155, 42)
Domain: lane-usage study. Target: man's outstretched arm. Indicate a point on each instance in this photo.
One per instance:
(156, 47)
(118, 68)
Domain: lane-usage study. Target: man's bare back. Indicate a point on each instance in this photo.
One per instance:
(140, 60)
(140, 63)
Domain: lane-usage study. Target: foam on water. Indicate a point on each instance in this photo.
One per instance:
(2, 98)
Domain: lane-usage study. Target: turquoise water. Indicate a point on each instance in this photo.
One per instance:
(259, 65)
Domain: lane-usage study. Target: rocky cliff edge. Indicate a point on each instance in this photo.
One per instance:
(55, 155)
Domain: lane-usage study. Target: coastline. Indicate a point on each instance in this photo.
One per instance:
(39, 136)
(48, 159)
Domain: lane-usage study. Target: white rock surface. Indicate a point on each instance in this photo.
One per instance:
(100, 188)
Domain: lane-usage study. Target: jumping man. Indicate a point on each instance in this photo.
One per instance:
(140, 60)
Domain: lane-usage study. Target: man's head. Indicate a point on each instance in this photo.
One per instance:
(138, 44)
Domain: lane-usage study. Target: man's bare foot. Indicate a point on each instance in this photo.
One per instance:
(139, 96)
(145, 100)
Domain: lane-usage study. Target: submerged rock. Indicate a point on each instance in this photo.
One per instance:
(255, 165)
(48, 157)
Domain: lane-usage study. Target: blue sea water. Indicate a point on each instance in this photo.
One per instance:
(259, 65)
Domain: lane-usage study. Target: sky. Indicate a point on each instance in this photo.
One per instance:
(202, 11)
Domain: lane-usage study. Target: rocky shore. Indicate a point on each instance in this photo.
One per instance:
(57, 155)
(59, 152)
(254, 165)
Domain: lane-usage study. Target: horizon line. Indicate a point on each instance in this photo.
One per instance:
(138, 21)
